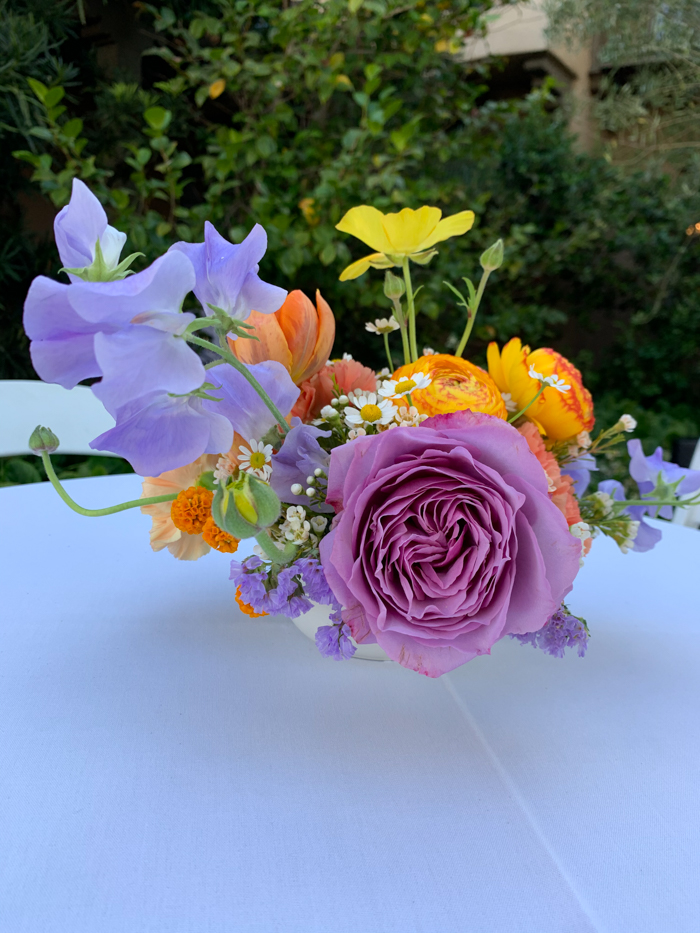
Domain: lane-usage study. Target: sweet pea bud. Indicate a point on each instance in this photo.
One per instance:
(43, 439)
(492, 257)
(244, 507)
(394, 287)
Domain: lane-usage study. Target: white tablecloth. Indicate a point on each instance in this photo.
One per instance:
(171, 766)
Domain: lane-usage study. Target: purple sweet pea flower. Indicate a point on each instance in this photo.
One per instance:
(446, 540)
(298, 457)
(645, 471)
(62, 343)
(647, 537)
(78, 227)
(580, 471)
(138, 348)
(241, 404)
(158, 433)
(227, 273)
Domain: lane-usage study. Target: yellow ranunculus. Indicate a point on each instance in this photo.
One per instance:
(556, 414)
(397, 236)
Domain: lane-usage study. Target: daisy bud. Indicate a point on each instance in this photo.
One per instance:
(297, 489)
(394, 287)
(310, 492)
(343, 400)
(334, 402)
(627, 423)
(311, 480)
(318, 471)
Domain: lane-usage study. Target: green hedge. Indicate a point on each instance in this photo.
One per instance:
(289, 114)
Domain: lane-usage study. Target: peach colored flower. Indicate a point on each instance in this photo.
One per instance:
(560, 485)
(163, 531)
(456, 385)
(348, 375)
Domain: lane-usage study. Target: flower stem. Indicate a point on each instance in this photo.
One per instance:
(232, 360)
(531, 402)
(388, 354)
(110, 510)
(471, 314)
(411, 310)
(272, 552)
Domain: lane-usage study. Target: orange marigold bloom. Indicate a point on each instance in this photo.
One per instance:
(559, 415)
(248, 610)
(218, 539)
(191, 509)
(457, 385)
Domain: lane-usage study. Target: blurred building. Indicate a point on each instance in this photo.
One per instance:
(517, 37)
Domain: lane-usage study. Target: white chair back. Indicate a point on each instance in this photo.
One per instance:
(75, 416)
(690, 517)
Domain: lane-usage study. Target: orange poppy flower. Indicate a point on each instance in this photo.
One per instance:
(457, 385)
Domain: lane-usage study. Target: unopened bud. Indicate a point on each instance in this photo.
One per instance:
(318, 471)
(297, 489)
(343, 400)
(394, 287)
(244, 507)
(492, 257)
(310, 492)
(43, 439)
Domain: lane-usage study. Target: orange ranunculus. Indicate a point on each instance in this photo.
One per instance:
(560, 485)
(559, 415)
(456, 385)
(298, 335)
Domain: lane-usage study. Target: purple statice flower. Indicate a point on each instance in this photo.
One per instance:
(227, 273)
(645, 472)
(580, 471)
(158, 432)
(561, 631)
(333, 641)
(240, 402)
(298, 457)
(315, 583)
(79, 226)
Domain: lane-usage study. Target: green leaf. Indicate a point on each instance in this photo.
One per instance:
(38, 87)
(72, 128)
(158, 118)
(41, 133)
(265, 145)
(327, 254)
(354, 5)
(53, 96)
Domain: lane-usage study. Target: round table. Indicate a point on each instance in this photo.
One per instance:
(172, 766)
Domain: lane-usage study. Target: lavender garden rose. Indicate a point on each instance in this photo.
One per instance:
(445, 540)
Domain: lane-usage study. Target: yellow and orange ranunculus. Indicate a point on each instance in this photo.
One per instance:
(559, 415)
(457, 385)
(394, 237)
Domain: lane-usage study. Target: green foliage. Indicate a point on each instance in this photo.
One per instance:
(30, 469)
(288, 114)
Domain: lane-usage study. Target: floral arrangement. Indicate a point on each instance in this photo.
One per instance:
(432, 508)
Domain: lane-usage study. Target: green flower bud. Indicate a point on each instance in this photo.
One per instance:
(245, 506)
(394, 287)
(492, 257)
(43, 439)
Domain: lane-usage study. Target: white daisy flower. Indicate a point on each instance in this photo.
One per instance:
(583, 439)
(561, 385)
(393, 388)
(628, 422)
(356, 432)
(408, 418)
(257, 460)
(223, 469)
(382, 325)
(347, 356)
(533, 374)
(511, 405)
(366, 409)
(428, 351)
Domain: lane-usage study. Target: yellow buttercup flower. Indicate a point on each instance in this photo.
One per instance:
(395, 237)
